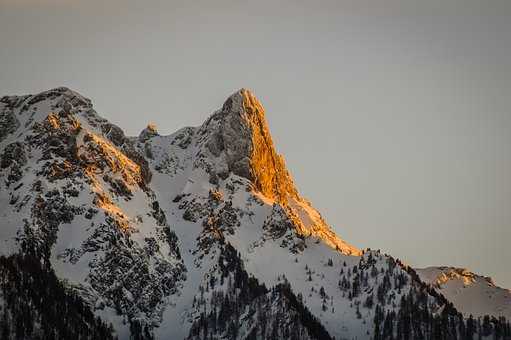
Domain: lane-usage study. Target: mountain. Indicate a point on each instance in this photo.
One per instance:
(470, 293)
(201, 234)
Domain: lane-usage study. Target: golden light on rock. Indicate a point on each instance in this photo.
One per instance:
(272, 180)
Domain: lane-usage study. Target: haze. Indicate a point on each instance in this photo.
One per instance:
(394, 117)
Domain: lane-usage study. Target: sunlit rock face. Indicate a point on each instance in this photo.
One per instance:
(461, 274)
(149, 132)
(471, 294)
(239, 134)
(244, 136)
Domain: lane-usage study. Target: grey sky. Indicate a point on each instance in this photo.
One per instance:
(394, 116)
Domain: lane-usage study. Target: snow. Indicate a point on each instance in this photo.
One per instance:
(181, 166)
(470, 293)
(266, 262)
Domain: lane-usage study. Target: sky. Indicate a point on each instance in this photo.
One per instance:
(394, 116)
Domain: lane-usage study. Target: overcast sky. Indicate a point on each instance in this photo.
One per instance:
(394, 116)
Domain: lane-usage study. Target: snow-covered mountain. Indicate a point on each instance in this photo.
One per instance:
(470, 293)
(199, 234)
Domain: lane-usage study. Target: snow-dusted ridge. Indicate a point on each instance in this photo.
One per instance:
(198, 234)
(470, 293)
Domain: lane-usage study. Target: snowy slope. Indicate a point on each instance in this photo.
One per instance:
(470, 293)
(161, 234)
(74, 194)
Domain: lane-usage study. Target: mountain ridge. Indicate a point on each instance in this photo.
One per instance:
(159, 235)
(471, 293)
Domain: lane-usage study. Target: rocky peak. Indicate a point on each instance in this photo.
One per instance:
(147, 133)
(238, 137)
(450, 273)
(241, 133)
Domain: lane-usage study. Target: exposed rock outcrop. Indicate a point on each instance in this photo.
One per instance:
(149, 132)
(242, 134)
(239, 135)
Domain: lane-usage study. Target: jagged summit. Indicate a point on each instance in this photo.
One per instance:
(238, 136)
(469, 292)
(234, 140)
(242, 134)
(149, 132)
